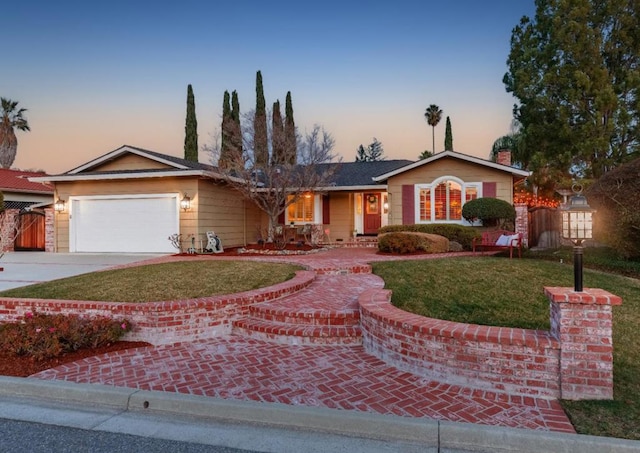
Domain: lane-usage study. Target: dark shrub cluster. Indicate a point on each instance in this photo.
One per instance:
(490, 211)
(44, 336)
(457, 233)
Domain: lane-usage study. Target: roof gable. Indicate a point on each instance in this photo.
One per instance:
(454, 155)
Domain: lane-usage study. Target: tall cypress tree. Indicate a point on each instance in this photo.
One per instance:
(448, 137)
(260, 141)
(227, 131)
(191, 128)
(237, 131)
(290, 149)
(277, 135)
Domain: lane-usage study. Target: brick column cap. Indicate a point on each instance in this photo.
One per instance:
(590, 296)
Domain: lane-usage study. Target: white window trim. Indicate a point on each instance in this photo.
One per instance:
(464, 185)
(317, 212)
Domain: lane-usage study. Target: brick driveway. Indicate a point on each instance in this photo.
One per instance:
(344, 376)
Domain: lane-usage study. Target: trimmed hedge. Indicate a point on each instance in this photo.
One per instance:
(411, 242)
(458, 233)
(488, 210)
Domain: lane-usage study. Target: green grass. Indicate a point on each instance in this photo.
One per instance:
(158, 282)
(503, 292)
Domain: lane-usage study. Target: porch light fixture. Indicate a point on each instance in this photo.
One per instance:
(185, 203)
(577, 226)
(59, 205)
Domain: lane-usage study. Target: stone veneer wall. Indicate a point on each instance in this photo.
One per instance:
(572, 361)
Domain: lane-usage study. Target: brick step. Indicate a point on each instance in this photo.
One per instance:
(297, 334)
(306, 316)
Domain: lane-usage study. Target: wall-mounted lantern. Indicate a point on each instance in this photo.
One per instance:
(577, 226)
(185, 203)
(59, 205)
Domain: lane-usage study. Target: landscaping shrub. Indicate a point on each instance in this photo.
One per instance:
(399, 243)
(45, 336)
(461, 234)
(490, 211)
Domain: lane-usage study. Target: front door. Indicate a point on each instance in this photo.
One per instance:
(372, 213)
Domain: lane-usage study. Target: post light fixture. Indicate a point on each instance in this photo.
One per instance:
(577, 226)
(185, 203)
(59, 205)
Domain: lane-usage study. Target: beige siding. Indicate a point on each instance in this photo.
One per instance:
(426, 174)
(341, 216)
(130, 162)
(188, 222)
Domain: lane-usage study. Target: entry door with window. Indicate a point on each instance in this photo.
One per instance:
(372, 213)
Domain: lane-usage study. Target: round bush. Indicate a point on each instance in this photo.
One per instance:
(488, 210)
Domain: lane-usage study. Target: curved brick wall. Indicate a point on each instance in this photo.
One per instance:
(168, 321)
(515, 361)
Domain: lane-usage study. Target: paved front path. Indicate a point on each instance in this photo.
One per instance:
(341, 377)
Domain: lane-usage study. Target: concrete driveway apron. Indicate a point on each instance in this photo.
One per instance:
(27, 268)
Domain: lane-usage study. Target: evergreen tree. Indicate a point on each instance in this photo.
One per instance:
(290, 142)
(277, 135)
(260, 141)
(373, 152)
(227, 131)
(425, 154)
(574, 69)
(11, 117)
(236, 137)
(448, 137)
(191, 128)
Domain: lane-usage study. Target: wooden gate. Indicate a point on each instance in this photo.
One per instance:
(543, 220)
(30, 231)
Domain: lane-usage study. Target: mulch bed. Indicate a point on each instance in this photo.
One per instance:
(23, 366)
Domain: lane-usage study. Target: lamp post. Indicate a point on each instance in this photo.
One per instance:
(577, 226)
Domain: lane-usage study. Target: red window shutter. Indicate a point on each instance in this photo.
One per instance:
(408, 208)
(326, 216)
(489, 189)
(281, 218)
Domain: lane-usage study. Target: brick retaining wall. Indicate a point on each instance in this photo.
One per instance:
(560, 363)
(163, 322)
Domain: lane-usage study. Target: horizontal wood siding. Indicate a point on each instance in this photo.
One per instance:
(222, 210)
(341, 214)
(188, 223)
(426, 174)
(130, 162)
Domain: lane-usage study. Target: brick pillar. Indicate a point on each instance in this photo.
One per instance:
(522, 222)
(49, 230)
(8, 221)
(582, 322)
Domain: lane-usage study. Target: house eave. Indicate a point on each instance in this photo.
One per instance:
(120, 151)
(109, 176)
(455, 155)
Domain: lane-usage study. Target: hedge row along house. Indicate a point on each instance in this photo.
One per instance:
(132, 199)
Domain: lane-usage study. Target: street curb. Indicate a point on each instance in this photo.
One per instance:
(442, 436)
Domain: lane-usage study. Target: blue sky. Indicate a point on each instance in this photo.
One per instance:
(97, 75)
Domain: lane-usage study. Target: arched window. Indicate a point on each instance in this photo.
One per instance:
(442, 201)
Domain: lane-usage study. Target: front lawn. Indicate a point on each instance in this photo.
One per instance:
(504, 292)
(158, 282)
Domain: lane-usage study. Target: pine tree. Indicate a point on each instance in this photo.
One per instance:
(191, 128)
(448, 137)
(260, 141)
(236, 136)
(371, 153)
(361, 154)
(277, 135)
(290, 148)
(227, 121)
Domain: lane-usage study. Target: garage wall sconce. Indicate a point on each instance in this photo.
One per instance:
(185, 203)
(59, 205)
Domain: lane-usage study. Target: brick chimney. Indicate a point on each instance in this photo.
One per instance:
(504, 157)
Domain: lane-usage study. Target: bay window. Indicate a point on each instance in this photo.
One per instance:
(442, 201)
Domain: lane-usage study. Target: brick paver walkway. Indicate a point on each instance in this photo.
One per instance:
(337, 376)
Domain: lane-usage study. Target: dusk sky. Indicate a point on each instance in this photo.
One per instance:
(97, 75)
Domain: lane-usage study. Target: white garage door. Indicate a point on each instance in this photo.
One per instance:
(123, 224)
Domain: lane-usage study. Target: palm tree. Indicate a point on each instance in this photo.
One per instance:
(433, 115)
(11, 118)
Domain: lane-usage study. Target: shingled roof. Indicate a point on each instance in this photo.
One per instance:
(357, 174)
